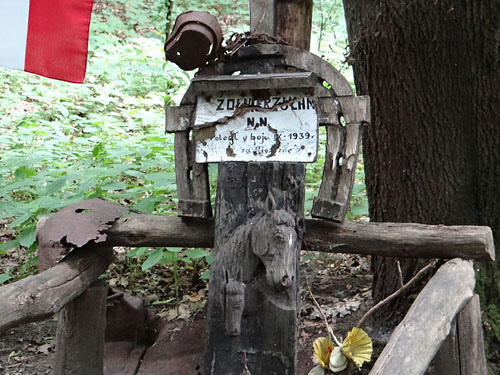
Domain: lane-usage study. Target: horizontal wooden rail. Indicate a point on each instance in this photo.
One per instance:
(416, 340)
(40, 296)
(385, 239)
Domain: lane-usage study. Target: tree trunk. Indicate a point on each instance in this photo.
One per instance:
(432, 70)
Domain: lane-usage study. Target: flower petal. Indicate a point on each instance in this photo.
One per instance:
(322, 350)
(357, 346)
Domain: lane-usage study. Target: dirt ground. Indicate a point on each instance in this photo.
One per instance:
(340, 283)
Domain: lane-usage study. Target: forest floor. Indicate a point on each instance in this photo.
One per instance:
(340, 284)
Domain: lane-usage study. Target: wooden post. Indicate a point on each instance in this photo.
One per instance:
(417, 339)
(80, 333)
(258, 234)
(294, 22)
(462, 353)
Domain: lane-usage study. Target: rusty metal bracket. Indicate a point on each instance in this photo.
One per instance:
(194, 40)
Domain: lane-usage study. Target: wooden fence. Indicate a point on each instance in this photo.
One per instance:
(444, 321)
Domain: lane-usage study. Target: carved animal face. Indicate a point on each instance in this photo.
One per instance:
(234, 305)
(273, 240)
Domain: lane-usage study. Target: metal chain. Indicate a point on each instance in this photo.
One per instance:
(237, 41)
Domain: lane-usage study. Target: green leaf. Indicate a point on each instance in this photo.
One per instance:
(4, 247)
(205, 275)
(24, 172)
(4, 277)
(20, 220)
(169, 258)
(98, 150)
(137, 252)
(359, 210)
(149, 204)
(196, 253)
(209, 259)
(152, 259)
(165, 302)
(114, 186)
(56, 185)
(28, 236)
(175, 249)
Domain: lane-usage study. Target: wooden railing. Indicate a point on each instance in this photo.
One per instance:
(446, 304)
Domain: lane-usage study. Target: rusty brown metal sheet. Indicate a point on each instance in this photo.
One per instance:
(76, 225)
(194, 40)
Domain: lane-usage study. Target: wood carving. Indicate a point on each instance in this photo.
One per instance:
(253, 277)
(234, 302)
(272, 240)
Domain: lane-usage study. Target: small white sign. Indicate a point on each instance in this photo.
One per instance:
(236, 127)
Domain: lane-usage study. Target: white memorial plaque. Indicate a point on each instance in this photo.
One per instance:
(234, 127)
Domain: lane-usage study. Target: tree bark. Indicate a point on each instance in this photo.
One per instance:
(431, 154)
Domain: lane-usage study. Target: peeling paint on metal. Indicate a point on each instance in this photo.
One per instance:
(238, 127)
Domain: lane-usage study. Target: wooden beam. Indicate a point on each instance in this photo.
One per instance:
(418, 337)
(401, 240)
(40, 296)
(386, 239)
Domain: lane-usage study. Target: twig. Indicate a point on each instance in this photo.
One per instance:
(405, 288)
(328, 329)
(246, 371)
(400, 273)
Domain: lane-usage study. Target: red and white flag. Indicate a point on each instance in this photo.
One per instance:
(46, 37)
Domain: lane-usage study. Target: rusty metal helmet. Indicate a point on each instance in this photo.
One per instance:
(194, 40)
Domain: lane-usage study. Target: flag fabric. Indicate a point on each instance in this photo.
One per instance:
(46, 37)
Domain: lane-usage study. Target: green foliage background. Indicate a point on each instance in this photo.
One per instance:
(61, 143)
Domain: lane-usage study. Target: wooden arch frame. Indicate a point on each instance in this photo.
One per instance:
(339, 109)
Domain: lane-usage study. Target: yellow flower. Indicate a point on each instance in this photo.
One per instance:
(357, 346)
(323, 347)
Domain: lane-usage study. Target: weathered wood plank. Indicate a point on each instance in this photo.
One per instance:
(40, 296)
(401, 240)
(263, 81)
(294, 22)
(386, 239)
(418, 337)
(305, 60)
(263, 16)
(193, 188)
(462, 353)
(470, 338)
(178, 119)
(80, 333)
(447, 359)
(344, 140)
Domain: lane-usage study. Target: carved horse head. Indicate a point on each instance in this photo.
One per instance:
(234, 303)
(273, 240)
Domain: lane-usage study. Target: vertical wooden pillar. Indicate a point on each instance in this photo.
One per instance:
(462, 353)
(258, 235)
(294, 22)
(80, 333)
